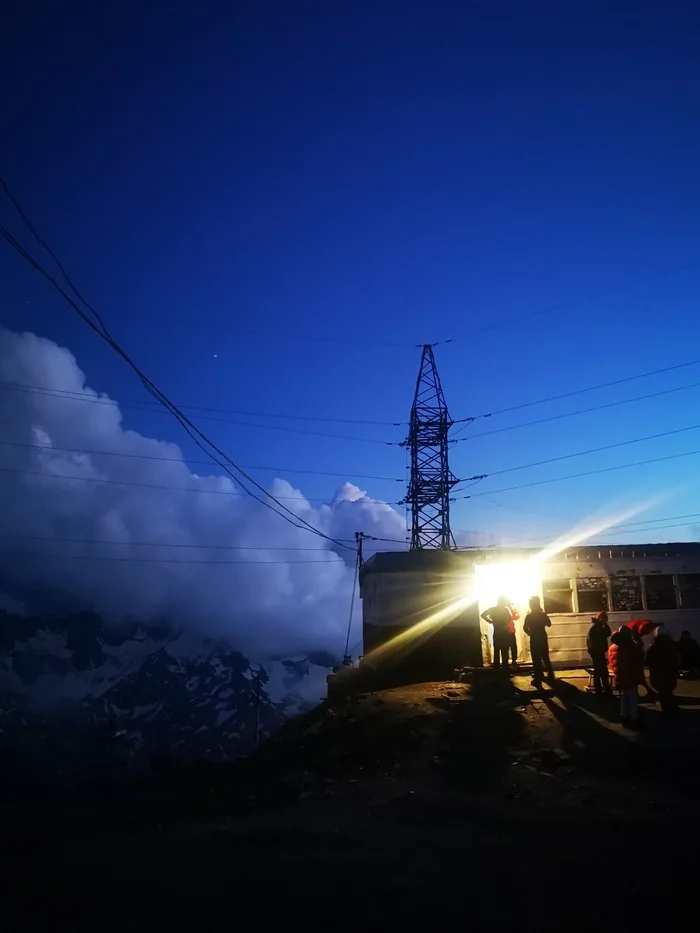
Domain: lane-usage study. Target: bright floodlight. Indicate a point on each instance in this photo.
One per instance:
(517, 580)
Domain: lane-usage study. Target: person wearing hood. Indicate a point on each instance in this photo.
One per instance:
(662, 661)
(597, 644)
(626, 660)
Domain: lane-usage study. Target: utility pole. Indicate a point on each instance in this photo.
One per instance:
(431, 479)
(359, 538)
(347, 659)
(257, 707)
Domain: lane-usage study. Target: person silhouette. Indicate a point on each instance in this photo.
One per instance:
(500, 617)
(536, 624)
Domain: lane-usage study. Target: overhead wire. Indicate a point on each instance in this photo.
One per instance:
(649, 524)
(80, 396)
(578, 411)
(196, 435)
(269, 335)
(564, 305)
(158, 544)
(583, 453)
(122, 482)
(185, 460)
(157, 560)
(559, 479)
(302, 338)
(563, 395)
(141, 406)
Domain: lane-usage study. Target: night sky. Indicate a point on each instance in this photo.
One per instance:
(272, 204)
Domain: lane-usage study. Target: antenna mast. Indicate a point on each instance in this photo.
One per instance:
(431, 479)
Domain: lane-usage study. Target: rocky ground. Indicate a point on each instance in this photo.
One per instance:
(483, 800)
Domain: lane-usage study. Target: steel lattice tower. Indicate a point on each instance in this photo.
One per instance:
(431, 479)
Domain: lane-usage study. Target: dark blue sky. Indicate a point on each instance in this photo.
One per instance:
(356, 178)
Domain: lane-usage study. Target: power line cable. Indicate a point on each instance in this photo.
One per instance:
(579, 411)
(386, 540)
(113, 453)
(197, 436)
(649, 524)
(250, 424)
(559, 479)
(564, 305)
(172, 320)
(583, 453)
(189, 427)
(121, 482)
(144, 404)
(158, 560)
(303, 338)
(562, 395)
(215, 547)
(656, 528)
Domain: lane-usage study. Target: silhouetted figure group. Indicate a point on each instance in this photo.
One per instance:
(503, 617)
(626, 660)
(621, 661)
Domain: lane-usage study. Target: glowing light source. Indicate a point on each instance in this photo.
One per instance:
(517, 580)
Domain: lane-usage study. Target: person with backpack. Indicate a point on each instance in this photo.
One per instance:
(597, 644)
(535, 625)
(662, 661)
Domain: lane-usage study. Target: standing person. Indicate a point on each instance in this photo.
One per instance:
(597, 643)
(689, 653)
(626, 661)
(500, 617)
(662, 661)
(512, 640)
(535, 625)
(641, 628)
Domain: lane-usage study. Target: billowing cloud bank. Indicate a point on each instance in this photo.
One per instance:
(280, 603)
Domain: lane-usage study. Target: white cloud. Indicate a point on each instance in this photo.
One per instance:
(279, 607)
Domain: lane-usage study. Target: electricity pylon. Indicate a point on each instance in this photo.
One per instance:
(431, 479)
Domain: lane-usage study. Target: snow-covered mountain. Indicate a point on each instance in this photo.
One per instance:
(77, 693)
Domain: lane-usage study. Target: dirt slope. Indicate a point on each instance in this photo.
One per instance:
(463, 801)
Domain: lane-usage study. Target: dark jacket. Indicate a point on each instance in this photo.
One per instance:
(597, 641)
(500, 617)
(662, 661)
(689, 653)
(536, 624)
(626, 659)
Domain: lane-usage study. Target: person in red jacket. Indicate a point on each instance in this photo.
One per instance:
(662, 661)
(626, 660)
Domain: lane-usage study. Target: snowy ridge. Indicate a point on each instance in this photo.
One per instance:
(128, 693)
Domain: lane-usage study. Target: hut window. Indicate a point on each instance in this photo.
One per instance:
(661, 591)
(558, 596)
